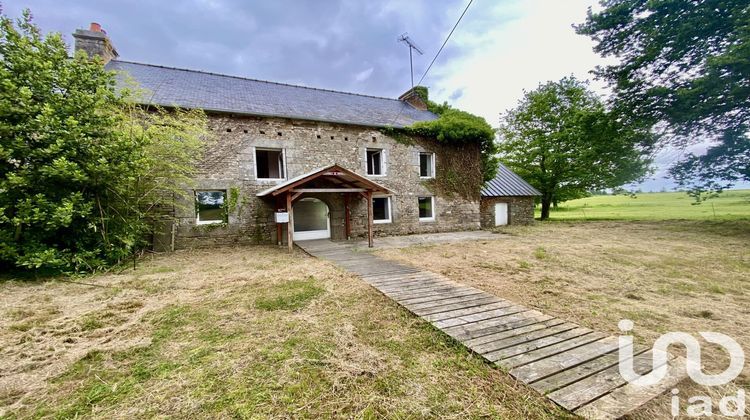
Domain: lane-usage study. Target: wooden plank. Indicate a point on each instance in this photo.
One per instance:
(443, 290)
(436, 305)
(515, 340)
(490, 326)
(347, 217)
(290, 224)
(386, 279)
(559, 362)
(438, 298)
(466, 309)
(530, 346)
(427, 290)
(466, 332)
(580, 372)
(415, 283)
(592, 387)
(544, 352)
(369, 219)
(404, 287)
(628, 398)
(470, 319)
(512, 333)
(464, 303)
(404, 281)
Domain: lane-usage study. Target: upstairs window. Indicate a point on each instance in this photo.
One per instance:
(381, 209)
(426, 208)
(209, 207)
(375, 162)
(427, 165)
(269, 163)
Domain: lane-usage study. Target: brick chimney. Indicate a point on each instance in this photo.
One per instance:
(416, 97)
(95, 42)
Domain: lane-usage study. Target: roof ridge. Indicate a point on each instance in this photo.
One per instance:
(254, 80)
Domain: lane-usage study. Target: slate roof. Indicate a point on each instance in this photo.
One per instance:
(506, 183)
(167, 86)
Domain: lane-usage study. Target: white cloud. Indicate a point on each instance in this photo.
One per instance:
(538, 44)
(364, 74)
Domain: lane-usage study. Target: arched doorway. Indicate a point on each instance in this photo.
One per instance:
(311, 220)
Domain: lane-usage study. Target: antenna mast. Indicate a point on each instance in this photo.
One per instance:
(412, 46)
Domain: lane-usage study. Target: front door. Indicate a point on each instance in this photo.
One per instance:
(311, 220)
(501, 214)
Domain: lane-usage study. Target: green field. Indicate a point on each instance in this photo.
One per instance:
(734, 204)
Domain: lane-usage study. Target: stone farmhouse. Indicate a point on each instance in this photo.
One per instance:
(292, 163)
(312, 159)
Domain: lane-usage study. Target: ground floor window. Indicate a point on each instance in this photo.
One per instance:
(426, 208)
(381, 209)
(209, 206)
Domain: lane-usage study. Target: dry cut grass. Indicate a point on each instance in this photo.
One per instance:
(665, 276)
(236, 332)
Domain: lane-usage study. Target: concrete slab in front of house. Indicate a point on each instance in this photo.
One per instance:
(404, 241)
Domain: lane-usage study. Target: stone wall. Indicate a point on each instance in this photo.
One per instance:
(229, 165)
(520, 210)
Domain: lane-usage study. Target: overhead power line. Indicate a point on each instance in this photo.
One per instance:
(444, 42)
(437, 54)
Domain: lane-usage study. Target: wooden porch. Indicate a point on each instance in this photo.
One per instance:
(330, 179)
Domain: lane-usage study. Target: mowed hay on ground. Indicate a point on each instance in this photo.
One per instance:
(236, 332)
(665, 276)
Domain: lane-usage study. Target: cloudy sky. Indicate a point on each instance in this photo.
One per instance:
(500, 48)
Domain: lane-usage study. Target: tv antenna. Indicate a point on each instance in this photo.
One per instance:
(412, 46)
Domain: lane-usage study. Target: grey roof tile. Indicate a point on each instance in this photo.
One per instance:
(507, 183)
(168, 86)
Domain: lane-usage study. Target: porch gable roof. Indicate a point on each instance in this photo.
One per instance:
(338, 175)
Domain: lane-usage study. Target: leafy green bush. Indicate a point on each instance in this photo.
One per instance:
(453, 127)
(458, 127)
(82, 168)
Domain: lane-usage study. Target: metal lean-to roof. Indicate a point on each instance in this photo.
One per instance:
(167, 86)
(506, 183)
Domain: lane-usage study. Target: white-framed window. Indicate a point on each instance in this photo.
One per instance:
(426, 208)
(270, 164)
(375, 162)
(426, 165)
(381, 210)
(209, 207)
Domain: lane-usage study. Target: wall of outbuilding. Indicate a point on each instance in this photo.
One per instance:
(520, 210)
(229, 165)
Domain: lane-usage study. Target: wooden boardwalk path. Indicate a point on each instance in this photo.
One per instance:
(573, 366)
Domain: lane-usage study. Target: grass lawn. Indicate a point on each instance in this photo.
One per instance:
(729, 205)
(236, 332)
(665, 276)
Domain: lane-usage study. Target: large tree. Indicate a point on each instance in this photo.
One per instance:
(80, 165)
(684, 67)
(563, 141)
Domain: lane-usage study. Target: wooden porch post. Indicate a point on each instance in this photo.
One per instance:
(369, 218)
(279, 230)
(290, 224)
(347, 218)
